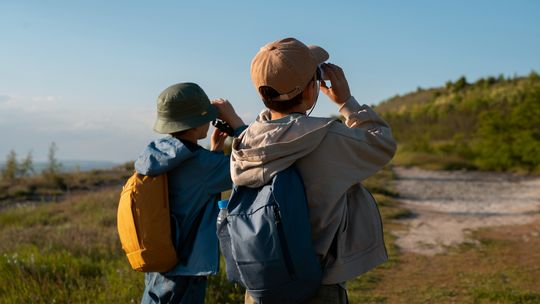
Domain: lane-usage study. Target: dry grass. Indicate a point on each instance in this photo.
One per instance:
(47, 187)
(431, 161)
(502, 265)
(68, 252)
(501, 268)
(65, 252)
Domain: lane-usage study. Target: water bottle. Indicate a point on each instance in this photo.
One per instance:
(225, 238)
(223, 211)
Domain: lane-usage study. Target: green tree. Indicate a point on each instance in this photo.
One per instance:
(10, 171)
(493, 123)
(534, 76)
(460, 84)
(53, 165)
(26, 167)
(525, 118)
(494, 142)
(491, 80)
(52, 171)
(508, 139)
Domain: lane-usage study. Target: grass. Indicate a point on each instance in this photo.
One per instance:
(46, 187)
(431, 161)
(500, 268)
(361, 289)
(68, 252)
(65, 252)
(501, 265)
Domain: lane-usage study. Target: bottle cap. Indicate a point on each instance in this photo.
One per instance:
(222, 204)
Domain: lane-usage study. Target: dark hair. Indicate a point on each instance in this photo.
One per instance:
(281, 106)
(179, 134)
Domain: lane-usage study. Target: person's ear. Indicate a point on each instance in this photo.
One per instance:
(313, 90)
(307, 91)
(305, 94)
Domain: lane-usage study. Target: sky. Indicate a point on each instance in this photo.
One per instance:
(86, 74)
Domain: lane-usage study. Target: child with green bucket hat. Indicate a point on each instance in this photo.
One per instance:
(196, 178)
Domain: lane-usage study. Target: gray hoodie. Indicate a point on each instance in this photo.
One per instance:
(333, 158)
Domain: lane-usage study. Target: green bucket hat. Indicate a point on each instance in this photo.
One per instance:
(183, 106)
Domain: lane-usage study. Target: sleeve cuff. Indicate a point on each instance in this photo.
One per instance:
(349, 107)
(239, 130)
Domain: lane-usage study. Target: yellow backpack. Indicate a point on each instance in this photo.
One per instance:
(144, 224)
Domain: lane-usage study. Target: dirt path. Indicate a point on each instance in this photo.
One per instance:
(447, 205)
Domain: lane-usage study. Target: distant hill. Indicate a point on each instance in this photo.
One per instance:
(491, 124)
(74, 165)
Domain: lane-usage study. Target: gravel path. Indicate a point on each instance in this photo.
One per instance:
(449, 204)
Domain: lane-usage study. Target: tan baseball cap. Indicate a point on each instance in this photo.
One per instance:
(286, 66)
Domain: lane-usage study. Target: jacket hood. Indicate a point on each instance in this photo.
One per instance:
(161, 156)
(267, 147)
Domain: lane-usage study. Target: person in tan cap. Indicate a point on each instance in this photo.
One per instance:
(333, 158)
(196, 177)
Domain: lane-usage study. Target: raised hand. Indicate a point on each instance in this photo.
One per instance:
(217, 141)
(227, 113)
(339, 91)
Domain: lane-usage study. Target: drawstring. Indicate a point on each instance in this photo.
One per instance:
(316, 98)
(312, 107)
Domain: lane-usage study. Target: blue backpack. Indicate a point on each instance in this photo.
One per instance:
(266, 240)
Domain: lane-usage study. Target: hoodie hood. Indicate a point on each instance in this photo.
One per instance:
(267, 147)
(162, 155)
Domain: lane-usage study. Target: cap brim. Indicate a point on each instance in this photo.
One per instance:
(320, 54)
(165, 126)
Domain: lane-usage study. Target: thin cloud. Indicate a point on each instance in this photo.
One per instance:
(82, 131)
(31, 104)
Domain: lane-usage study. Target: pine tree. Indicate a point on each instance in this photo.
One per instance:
(52, 172)
(10, 171)
(26, 167)
(53, 165)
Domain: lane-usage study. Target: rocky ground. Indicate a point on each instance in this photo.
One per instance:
(447, 205)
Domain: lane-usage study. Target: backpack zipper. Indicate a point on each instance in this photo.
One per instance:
(283, 242)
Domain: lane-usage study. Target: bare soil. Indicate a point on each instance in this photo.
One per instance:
(503, 267)
(448, 205)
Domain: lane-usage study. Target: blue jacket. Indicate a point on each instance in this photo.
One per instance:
(196, 179)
